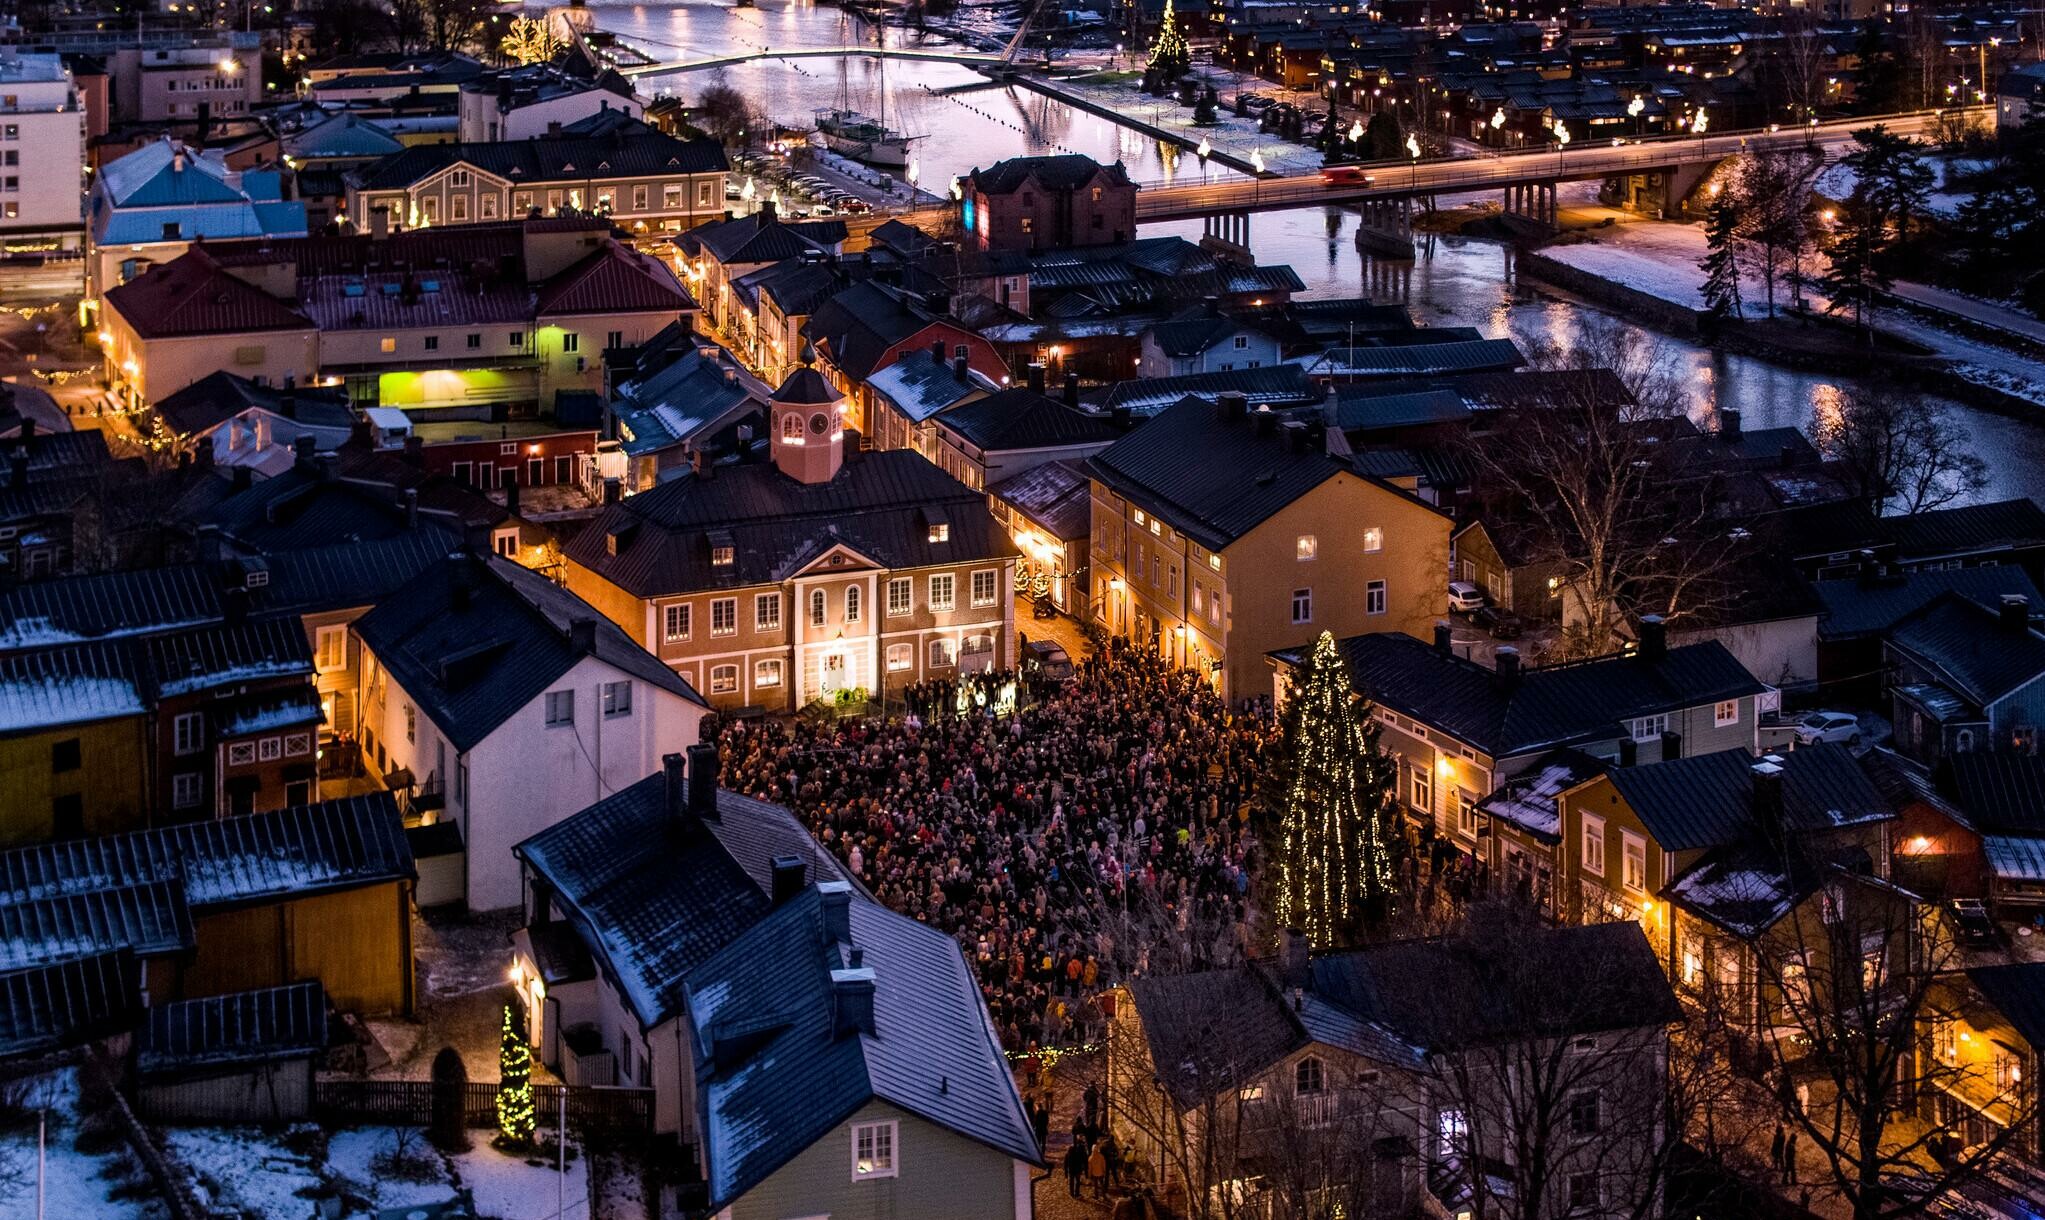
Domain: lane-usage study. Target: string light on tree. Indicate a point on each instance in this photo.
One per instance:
(1334, 862)
(1169, 54)
(514, 1084)
(530, 40)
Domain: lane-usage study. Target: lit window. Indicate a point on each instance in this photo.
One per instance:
(767, 673)
(873, 1151)
(767, 612)
(722, 556)
(1304, 546)
(1726, 712)
(387, 345)
(986, 587)
(330, 648)
(943, 592)
(899, 596)
(1373, 540)
(900, 657)
(942, 652)
(940, 532)
(560, 708)
(724, 616)
(1594, 845)
(1634, 861)
(676, 624)
(723, 679)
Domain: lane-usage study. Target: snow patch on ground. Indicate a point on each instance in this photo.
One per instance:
(507, 1187)
(1235, 136)
(74, 1183)
(248, 1169)
(351, 1153)
(1838, 181)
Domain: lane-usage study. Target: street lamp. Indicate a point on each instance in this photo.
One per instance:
(1204, 150)
(1256, 159)
(1700, 121)
(1561, 142)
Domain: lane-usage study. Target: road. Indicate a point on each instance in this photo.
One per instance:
(723, 61)
(1572, 163)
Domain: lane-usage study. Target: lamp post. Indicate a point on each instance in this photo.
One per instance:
(1413, 151)
(1634, 109)
(1561, 142)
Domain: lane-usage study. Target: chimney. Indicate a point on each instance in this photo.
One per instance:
(411, 508)
(1768, 796)
(461, 578)
(1672, 745)
(553, 127)
(379, 223)
(1790, 454)
(937, 351)
(18, 468)
(1507, 662)
(582, 635)
(1629, 752)
(1728, 424)
(766, 211)
(1293, 952)
(2016, 612)
(243, 478)
(674, 790)
(234, 604)
(1071, 388)
(851, 1001)
(303, 447)
(1036, 377)
(415, 450)
(1444, 639)
(511, 492)
(703, 780)
(1121, 417)
(961, 370)
(837, 906)
(1297, 438)
(28, 428)
(1654, 638)
(1233, 407)
(611, 490)
(788, 878)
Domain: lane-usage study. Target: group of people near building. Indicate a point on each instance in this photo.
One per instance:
(1064, 843)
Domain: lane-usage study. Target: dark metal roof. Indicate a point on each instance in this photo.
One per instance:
(150, 918)
(185, 662)
(476, 638)
(288, 1022)
(543, 159)
(858, 326)
(613, 279)
(193, 295)
(1211, 479)
(1020, 418)
(1707, 800)
(1066, 172)
(1969, 650)
(1214, 1030)
(1365, 409)
(2000, 791)
(933, 1051)
(805, 387)
(1868, 607)
(1577, 703)
(879, 504)
(1967, 528)
(761, 238)
(218, 397)
(654, 895)
(68, 1003)
(1275, 385)
(1056, 496)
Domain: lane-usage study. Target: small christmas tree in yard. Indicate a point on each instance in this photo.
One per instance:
(514, 1084)
(1335, 819)
(1169, 54)
(1721, 261)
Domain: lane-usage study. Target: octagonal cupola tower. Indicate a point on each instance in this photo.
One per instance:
(808, 422)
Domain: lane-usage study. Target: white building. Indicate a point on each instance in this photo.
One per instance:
(42, 155)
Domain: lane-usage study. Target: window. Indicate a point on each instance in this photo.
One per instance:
(411, 723)
(1451, 1130)
(940, 532)
(943, 592)
(184, 733)
(1308, 1076)
(767, 673)
(330, 648)
(1649, 728)
(1304, 547)
(1373, 540)
(723, 679)
(724, 616)
(1583, 1192)
(65, 756)
(270, 749)
(458, 208)
(560, 708)
(898, 596)
(671, 196)
(459, 177)
(1374, 597)
(1466, 813)
(1633, 861)
(941, 654)
(1302, 605)
(854, 599)
(819, 607)
(639, 199)
(1423, 789)
(1725, 712)
(517, 340)
(617, 699)
(475, 341)
(986, 587)
(675, 622)
(1242, 342)
(723, 556)
(1583, 1114)
(791, 429)
(387, 345)
(900, 657)
(186, 789)
(873, 1151)
(1593, 844)
(570, 341)
(767, 612)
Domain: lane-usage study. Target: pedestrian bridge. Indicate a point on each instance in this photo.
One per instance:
(667, 67)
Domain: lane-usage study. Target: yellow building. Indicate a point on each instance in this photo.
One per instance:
(75, 751)
(1222, 534)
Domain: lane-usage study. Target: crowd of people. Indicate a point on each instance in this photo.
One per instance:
(1063, 842)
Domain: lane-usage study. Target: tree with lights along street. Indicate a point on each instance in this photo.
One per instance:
(515, 1116)
(1170, 57)
(1336, 814)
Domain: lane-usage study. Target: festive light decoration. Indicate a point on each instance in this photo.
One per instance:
(1334, 861)
(514, 1084)
(1169, 54)
(531, 40)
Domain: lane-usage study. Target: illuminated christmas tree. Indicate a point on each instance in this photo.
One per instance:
(514, 1084)
(1169, 54)
(1335, 819)
(531, 40)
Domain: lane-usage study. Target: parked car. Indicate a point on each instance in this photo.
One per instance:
(1501, 623)
(1828, 726)
(1977, 930)
(1050, 658)
(1253, 101)
(1465, 596)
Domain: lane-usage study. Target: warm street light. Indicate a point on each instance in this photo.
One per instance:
(1700, 121)
(1355, 130)
(1634, 107)
(1498, 118)
(1257, 160)
(1204, 149)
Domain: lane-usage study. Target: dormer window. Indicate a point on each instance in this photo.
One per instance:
(723, 556)
(940, 532)
(791, 429)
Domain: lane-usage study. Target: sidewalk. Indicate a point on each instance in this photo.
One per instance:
(1986, 313)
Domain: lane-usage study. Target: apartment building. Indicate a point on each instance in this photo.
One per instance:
(42, 125)
(826, 573)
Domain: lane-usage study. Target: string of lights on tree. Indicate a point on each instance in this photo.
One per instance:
(1334, 861)
(1169, 54)
(514, 1084)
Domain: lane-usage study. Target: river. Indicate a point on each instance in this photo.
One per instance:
(1454, 281)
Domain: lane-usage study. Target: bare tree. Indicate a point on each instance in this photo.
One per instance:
(723, 113)
(1774, 186)
(1596, 492)
(1898, 450)
(1860, 974)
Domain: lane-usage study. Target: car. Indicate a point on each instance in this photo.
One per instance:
(1815, 727)
(1465, 596)
(1050, 658)
(1970, 916)
(1316, 117)
(856, 207)
(1252, 101)
(1345, 175)
(1502, 624)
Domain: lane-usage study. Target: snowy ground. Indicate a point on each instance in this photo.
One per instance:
(105, 1185)
(1837, 182)
(1238, 137)
(269, 1173)
(1661, 259)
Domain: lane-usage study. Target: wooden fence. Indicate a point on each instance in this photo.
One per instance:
(409, 1103)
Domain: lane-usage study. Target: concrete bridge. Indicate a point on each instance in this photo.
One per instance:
(976, 58)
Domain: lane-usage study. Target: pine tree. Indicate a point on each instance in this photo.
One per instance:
(1721, 261)
(514, 1083)
(1169, 54)
(1334, 860)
